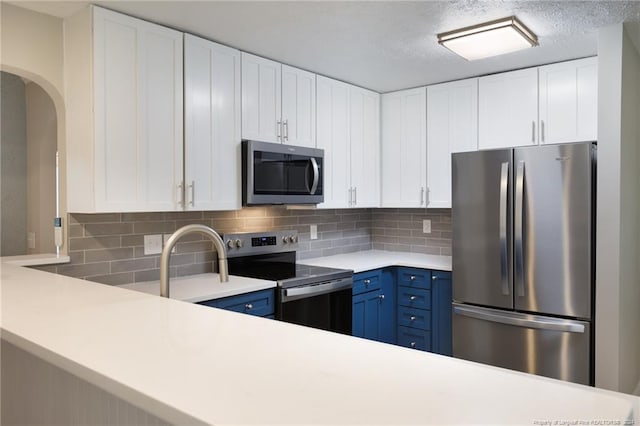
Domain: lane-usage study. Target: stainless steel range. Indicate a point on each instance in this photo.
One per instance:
(307, 295)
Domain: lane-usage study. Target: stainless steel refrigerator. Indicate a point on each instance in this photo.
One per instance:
(523, 259)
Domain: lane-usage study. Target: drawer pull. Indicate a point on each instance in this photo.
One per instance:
(412, 298)
(412, 318)
(413, 344)
(248, 306)
(381, 297)
(367, 282)
(434, 278)
(412, 277)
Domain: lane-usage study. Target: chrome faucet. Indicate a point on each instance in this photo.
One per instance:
(171, 242)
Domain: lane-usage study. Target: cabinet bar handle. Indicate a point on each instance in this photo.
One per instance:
(180, 196)
(285, 132)
(279, 130)
(422, 195)
(355, 195)
(193, 193)
(542, 130)
(533, 132)
(350, 197)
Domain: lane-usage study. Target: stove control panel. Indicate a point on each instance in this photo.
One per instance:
(251, 243)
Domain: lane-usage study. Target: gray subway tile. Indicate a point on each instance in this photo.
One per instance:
(180, 223)
(87, 243)
(195, 268)
(445, 251)
(190, 215)
(154, 227)
(99, 229)
(132, 265)
(225, 214)
(132, 241)
(258, 223)
(438, 242)
(425, 250)
(77, 257)
(251, 212)
(97, 218)
(143, 217)
(75, 230)
(108, 254)
(194, 246)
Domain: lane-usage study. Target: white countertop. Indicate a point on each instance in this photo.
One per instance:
(374, 259)
(189, 363)
(36, 259)
(198, 288)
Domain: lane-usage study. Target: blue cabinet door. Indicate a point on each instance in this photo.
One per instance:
(366, 312)
(442, 297)
(374, 310)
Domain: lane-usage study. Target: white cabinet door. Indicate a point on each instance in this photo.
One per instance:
(452, 126)
(508, 109)
(569, 101)
(298, 107)
(404, 140)
(212, 126)
(138, 94)
(364, 125)
(333, 137)
(261, 97)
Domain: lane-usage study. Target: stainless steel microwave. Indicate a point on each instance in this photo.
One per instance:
(274, 173)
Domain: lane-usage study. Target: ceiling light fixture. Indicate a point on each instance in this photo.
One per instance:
(489, 39)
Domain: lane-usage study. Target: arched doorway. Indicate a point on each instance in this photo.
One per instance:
(28, 178)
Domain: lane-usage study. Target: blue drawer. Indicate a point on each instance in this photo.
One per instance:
(416, 318)
(440, 275)
(260, 303)
(414, 277)
(413, 338)
(414, 297)
(367, 281)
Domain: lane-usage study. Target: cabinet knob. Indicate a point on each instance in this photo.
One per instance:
(413, 344)
(433, 278)
(367, 282)
(381, 297)
(412, 277)
(412, 298)
(412, 318)
(248, 306)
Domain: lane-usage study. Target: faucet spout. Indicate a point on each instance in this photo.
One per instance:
(171, 242)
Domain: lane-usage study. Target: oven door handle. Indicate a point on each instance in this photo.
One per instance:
(293, 293)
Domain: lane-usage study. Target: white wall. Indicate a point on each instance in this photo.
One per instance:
(32, 47)
(618, 209)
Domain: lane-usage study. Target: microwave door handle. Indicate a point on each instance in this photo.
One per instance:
(316, 175)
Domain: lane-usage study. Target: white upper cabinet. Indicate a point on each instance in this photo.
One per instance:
(124, 98)
(261, 99)
(348, 131)
(569, 101)
(278, 102)
(404, 141)
(298, 107)
(364, 142)
(333, 138)
(452, 126)
(212, 126)
(508, 109)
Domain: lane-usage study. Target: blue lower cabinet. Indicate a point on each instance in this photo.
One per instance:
(373, 310)
(260, 303)
(442, 297)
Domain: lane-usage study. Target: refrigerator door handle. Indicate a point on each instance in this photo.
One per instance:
(504, 262)
(519, 236)
(518, 321)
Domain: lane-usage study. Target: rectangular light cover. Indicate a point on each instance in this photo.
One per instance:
(491, 39)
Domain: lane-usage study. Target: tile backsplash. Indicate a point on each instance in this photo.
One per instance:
(109, 248)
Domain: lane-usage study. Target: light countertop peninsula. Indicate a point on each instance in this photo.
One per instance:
(189, 363)
(361, 261)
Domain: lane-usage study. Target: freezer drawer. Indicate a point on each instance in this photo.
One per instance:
(533, 344)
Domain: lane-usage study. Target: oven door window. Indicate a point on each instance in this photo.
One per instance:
(330, 311)
(286, 174)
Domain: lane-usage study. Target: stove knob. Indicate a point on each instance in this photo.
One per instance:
(239, 243)
(294, 239)
(285, 240)
(230, 244)
(291, 239)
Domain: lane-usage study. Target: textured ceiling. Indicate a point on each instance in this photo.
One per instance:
(380, 45)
